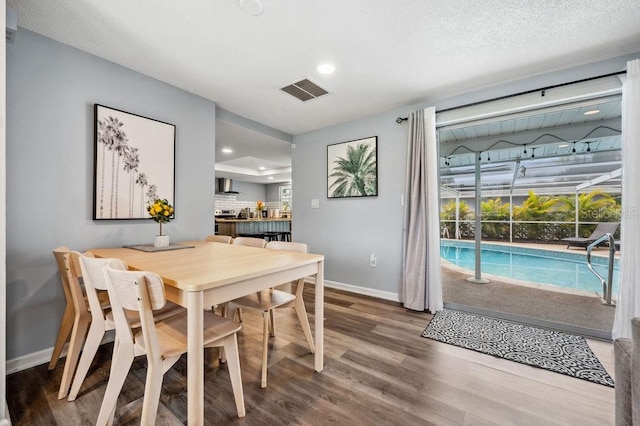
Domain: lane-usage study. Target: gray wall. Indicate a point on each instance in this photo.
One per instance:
(273, 192)
(347, 231)
(51, 89)
(249, 191)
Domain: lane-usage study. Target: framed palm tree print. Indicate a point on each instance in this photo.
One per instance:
(134, 164)
(352, 168)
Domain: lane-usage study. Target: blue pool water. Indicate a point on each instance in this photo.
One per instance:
(568, 270)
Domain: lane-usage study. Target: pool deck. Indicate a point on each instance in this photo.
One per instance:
(570, 310)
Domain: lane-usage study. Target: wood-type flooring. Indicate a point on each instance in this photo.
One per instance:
(378, 370)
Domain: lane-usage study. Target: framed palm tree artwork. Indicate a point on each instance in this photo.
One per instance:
(134, 164)
(352, 168)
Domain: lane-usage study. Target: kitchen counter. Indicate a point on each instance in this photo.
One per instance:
(275, 219)
(235, 227)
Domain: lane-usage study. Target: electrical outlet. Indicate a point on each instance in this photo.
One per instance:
(373, 260)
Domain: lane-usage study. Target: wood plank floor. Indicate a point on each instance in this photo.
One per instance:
(378, 370)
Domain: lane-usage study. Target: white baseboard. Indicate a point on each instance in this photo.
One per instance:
(7, 420)
(380, 294)
(42, 357)
(30, 360)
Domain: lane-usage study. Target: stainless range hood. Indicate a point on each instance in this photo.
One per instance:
(225, 186)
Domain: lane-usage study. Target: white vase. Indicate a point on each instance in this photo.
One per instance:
(161, 241)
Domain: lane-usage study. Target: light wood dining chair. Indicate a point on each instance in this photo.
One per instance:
(162, 342)
(224, 239)
(75, 320)
(250, 242)
(92, 271)
(267, 301)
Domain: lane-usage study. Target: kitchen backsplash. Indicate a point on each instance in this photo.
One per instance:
(229, 202)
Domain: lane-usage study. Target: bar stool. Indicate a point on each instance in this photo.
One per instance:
(272, 236)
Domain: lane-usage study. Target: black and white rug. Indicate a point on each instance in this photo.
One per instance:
(547, 349)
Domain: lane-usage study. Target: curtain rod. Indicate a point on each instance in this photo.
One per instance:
(542, 89)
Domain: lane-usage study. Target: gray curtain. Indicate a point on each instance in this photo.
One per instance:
(421, 282)
(628, 305)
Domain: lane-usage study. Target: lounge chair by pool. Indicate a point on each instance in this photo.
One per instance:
(601, 229)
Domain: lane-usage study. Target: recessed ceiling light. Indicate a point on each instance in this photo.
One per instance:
(564, 145)
(251, 7)
(326, 69)
(227, 150)
(270, 178)
(262, 168)
(592, 112)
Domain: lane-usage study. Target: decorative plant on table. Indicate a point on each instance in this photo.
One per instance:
(259, 207)
(160, 211)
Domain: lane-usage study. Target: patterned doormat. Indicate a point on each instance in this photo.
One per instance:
(547, 349)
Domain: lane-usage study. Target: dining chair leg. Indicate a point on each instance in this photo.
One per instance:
(66, 325)
(91, 345)
(152, 388)
(265, 347)
(301, 311)
(80, 326)
(230, 345)
(120, 366)
(272, 323)
(304, 322)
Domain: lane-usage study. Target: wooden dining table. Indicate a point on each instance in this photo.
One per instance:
(209, 274)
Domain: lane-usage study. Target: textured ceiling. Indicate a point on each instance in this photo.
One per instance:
(387, 54)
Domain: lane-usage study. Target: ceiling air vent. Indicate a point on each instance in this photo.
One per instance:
(304, 90)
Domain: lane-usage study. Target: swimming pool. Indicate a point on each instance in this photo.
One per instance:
(561, 269)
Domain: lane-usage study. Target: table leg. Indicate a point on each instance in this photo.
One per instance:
(195, 358)
(319, 324)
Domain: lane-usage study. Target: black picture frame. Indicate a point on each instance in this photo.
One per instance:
(134, 163)
(352, 168)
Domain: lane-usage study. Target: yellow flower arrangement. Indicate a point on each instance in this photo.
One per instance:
(160, 211)
(259, 207)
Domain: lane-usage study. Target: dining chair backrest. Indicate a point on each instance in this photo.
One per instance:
(137, 291)
(125, 285)
(66, 323)
(288, 246)
(224, 239)
(58, 254)
(70, 276)
(94, 280)
(250, 242)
